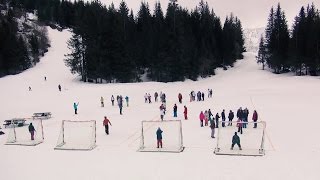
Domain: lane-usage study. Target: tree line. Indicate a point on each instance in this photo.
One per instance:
(21, 42)
(114, 45)
(296, 50)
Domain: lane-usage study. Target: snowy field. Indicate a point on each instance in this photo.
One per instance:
(288, 104)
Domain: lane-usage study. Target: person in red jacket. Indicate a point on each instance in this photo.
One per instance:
(185, 112)
(201, 116)
(106, 123)
(255, 118)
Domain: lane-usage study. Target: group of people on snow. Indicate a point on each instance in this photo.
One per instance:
(242, 121)
(148, 99)
(199, 96)
(163, 109)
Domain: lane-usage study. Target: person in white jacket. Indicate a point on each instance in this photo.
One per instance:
(162, 113)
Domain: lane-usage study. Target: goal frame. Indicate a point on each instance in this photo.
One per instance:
(258, 152)
(26, 143)
(142, 147)
(60, 146)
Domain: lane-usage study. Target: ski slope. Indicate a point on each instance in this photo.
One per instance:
(287, 103)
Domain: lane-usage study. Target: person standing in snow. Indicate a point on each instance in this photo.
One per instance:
(156, 97)
(206, 118)
(202, 94)
(112, 100)
(175, 109)
(255, 118)
(106, 123)
(223, 117)
(127, 100)
(230, 117)
(212, 126)
(162, 112)
(245, 117)
(180, 98)
(236, 141)
(120, 101)
(31, 130)
(149, 98)
(185, 113)
(159, 137)
(30, 88)
(201, 117)
(102, 101)
(217, 120)
(75, 107)
(239, 113)
(239, 125)
(211, 118)
(210, 113)
(59, 87)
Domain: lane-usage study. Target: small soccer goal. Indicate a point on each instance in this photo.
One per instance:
(172, 139)
(251, 140)
(77, 135)
(21, 135)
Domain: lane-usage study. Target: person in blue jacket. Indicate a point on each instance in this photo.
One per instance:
(75, 107)
(175, 109)
(159, 138)
(127, 100)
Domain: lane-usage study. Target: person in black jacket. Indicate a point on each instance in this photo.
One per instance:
(236, 140)
(175, 110)
(230, 117)
(31, 130)
(217, 120)
(223, 117)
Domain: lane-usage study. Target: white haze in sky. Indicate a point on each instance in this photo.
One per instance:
(252, 13)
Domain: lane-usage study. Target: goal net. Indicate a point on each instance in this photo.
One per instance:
(77, 135)
(251, 140)
(22, 136)
(172, 140)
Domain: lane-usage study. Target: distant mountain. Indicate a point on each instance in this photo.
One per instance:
(252, 38)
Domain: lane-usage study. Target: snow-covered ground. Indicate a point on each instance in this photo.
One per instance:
(287, 103)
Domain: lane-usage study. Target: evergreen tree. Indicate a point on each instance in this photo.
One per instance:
(277, 41)
(312, 40)
(76, 59)
(262, 53)
(144, 36)
(298, 42)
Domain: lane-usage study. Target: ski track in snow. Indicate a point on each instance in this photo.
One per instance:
(287, 103)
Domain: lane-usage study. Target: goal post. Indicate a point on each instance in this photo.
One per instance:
(172, 139)
(251, 140)
(22, 136)
(77, 135)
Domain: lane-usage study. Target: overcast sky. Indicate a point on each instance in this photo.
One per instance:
(252, 13)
